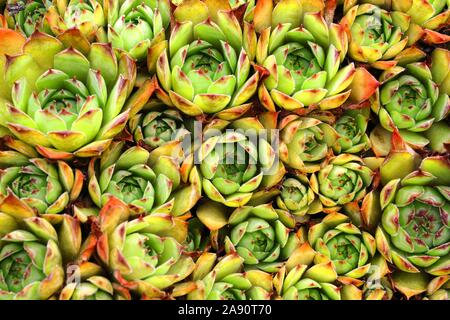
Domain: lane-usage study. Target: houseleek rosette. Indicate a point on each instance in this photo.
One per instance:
(39, 187)
(376, 36)
(127, 176)
(156, 128)
(232, 166)
(145, 254)
(411, 101)
(297, 197)
(67, 103)
(207, 68)
(343, 180)
(32, 254)
(414, 232)
(351, 128)
(303, 279)
(221, 278)
(303, 62)
(76, 21)
(136, 26)
(262, 236)
(27, 16)
(305, 142)
(349, 249)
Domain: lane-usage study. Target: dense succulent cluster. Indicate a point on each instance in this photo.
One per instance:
(224, 150)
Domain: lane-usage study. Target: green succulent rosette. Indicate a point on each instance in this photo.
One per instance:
(303, 56)
(304, 277)
(156, 128)
(222, 279)
(410, 101)
(376, 36)
(344, 179)
(26, 16)
(207, 67)
(297, 197)
(349, 249)
(38, 187)
(262, 236)
(94, 288)
(305, 142)
(145, 255)
(351, 128)
(236, 162)
(128, 176)
(67, 104)
(414, 233)
(32, 253)
(77, 22)
(137, 26)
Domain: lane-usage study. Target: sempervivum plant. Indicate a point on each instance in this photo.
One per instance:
(207, 67)
(305, 142)
(76, 21)
(94, 288)
(262, 236)
(32, 255)
(135, 26)
(67, 103)
(235, 163)
(376, 36)
(223, 279)
(302, 279)
(348, 248)
(414, 230)
(341, 180)
(297, 197)
(303, 61)
(411, 101)
(27, 16)
(144, 255)
(38, 186)
(156, 128)
(351, 128)
(126, 175)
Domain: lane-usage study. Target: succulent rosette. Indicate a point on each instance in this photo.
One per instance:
(68, 104)
(439, 288)
(303, 279)
(39, 187)
(136, 26)
(351, 128)
(411, 101)
(145, 254)
(32, 255)
(236, 159)
(414, 231)
(128, 176)
(207, 67)
(222, 279)
(156, 128)
(344, 179)
(262, 236)
(297, 197)
(305, 142)
(303, 57)
(76, 21)
(376, 36)
(196, 240)
(349, 249)
(26, 16)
